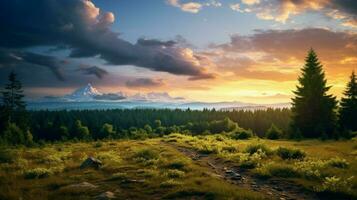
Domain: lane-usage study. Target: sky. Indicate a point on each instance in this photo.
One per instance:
(201, 50)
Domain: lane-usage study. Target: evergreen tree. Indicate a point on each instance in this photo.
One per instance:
(313, 109)
(13, 108)
(13, 95)
(348, 110)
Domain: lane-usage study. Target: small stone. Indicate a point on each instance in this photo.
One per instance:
(105, 196)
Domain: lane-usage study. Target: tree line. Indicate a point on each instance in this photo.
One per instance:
(314, 114)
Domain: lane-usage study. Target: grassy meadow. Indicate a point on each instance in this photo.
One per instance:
(159, 169)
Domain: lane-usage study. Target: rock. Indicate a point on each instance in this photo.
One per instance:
(105, 196)
(91, 162)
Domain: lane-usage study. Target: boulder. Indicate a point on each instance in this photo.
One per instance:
(91, 162)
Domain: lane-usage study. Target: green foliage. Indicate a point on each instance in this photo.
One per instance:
(277, 170)
(147, 154)
(81, 132)
(61, 125)
(254, 148)
(313, 109)
(241, 134)
(7, 156)
(107, 131)
(335, 185)
(13, 135)
(348, 110)
(174, 173)
(274, 133)
(37, 173)
(179, 164)
(338, 163)
(288, 153)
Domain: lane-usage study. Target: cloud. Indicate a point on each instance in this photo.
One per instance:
(282, 10)
(145, 82)
(84, 30)
(97, 71)
(193, 7)
(251, 2)
(268, 55)
(11, 58)
(236, 7)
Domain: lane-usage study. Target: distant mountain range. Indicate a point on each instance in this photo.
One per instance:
(89, 97)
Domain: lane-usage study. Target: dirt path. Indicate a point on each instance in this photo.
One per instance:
(272, 188)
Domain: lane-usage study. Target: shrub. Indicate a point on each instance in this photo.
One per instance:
(174, 173)
(147, 154)
(248, 161)
(288, 153)
(274, 133)
(253, 148)
(7, 156)
(178, 164)
(335, 184)
(278, 170)
(37, 173)
(311, 169)
(242, 134)
(338, 163)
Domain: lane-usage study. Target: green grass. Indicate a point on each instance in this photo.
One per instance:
(331, 165)
(131, 169)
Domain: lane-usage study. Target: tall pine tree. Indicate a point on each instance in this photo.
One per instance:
(13, 105)
(313, 109)
(348, 110)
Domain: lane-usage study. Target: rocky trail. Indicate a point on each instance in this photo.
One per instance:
(272, 188)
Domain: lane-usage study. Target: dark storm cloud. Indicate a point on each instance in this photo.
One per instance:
(145, 82)
(10, 58)
(98, 72)
(85, 30)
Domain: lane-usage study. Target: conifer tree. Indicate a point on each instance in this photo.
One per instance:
(313, 109)
(348, 110)
(12, 97)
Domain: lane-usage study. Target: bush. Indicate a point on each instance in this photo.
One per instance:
(242, 134)
(338, 163)
(174, 173)
(37, 173)
(178, 164)
(277, 170)
(274, 133)
(287, 153)
(13, 135)
(254, 148)
(335, 185)
(147, 154)
(7, 156)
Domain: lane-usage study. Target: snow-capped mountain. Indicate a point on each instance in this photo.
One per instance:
(86, 93)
